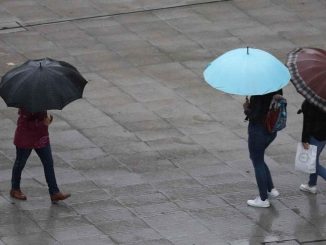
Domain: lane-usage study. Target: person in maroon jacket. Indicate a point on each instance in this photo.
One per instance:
(32, 133)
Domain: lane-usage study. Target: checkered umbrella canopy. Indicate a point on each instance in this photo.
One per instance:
(308, 71)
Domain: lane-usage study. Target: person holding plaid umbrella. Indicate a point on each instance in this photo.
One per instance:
(313, 132)
(307, 67)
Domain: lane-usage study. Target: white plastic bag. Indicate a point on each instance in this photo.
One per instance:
(305, 160)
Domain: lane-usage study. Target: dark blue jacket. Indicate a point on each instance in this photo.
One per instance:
(259, 106)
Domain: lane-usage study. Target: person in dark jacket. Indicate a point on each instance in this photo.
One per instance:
(258, 140)
(32, 133)
(314, 133)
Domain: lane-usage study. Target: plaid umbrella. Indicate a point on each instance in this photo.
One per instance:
(308, 71)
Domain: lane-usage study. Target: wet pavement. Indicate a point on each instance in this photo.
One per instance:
(152, 155)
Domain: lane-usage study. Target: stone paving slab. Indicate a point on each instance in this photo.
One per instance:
(152, 155)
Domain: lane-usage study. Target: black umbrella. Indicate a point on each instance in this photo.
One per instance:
(43, 84)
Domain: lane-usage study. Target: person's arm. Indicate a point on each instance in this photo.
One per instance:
(246, 106)
(308, 122)
(305, 133)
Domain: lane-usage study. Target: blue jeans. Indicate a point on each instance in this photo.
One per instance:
(45, 155)
(259, 139)
(320, 170)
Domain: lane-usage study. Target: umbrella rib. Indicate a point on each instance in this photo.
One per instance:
(21, 83)
(317, 75)
(68, 86)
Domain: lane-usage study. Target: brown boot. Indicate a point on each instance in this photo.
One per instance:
(59, 197)
(18, 194)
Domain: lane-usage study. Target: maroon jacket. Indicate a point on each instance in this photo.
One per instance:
(31, 132)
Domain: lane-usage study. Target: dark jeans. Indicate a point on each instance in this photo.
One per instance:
(320, 170)
(259, 139)
(45, 155)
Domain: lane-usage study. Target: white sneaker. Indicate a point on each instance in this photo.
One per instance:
(258, 203)
(273, 193)
(307, 188)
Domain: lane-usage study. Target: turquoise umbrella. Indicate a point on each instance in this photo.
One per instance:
(247, 71)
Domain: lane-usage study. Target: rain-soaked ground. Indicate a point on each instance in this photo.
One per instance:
(152, 155)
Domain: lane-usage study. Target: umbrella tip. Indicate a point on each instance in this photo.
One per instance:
(248, 50)
(40, 65)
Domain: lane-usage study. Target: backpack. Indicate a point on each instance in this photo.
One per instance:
(275, 119)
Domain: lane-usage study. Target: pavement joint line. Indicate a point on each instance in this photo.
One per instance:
(307, 242)
(19, 25)
(281, 241)
(110, 15)
(290, 240)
